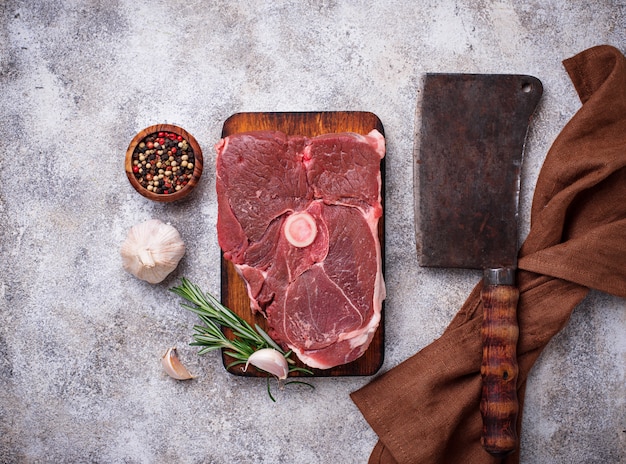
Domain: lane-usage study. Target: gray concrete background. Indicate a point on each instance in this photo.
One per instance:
(81, 340)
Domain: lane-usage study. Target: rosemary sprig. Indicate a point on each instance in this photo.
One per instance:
(210, 337)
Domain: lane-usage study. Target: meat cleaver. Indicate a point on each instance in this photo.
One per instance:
(467, 185)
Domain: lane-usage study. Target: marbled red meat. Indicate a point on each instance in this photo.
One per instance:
(298, 217)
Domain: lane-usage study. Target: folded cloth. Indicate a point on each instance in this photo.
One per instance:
(426, 410)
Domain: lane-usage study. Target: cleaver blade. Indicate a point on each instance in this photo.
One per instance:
(467, 176)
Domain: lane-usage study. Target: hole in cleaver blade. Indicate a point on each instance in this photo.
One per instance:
(467, 168)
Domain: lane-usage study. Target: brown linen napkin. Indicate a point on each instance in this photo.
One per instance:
(426, 410)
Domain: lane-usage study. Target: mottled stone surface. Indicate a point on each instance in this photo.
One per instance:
(80, 339)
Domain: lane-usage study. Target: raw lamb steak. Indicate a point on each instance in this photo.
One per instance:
(298, 217)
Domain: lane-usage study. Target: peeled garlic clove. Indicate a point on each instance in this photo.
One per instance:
(172, 365)
(269, 360)
(152, 250)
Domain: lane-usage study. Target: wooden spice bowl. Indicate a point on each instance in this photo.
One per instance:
(191, 181)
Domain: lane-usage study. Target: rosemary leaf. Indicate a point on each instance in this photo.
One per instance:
(301, 369)
(299, 382)
(269, 390)
(267, 338)
(235, 363)
(206, 349)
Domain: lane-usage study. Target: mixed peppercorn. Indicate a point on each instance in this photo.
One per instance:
(163, 162)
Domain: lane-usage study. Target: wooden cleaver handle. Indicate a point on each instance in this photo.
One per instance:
(498, 405)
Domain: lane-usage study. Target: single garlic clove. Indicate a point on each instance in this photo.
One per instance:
(269, 360)
(152, 250)
(172, 365)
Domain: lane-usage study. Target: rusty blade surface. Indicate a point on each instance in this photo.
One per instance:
(468, 168)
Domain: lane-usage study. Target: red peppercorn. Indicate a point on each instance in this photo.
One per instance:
(150, 145)
(135, 169)
(174, 150)
(179, 138)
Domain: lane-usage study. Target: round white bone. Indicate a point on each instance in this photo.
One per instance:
(300, 229)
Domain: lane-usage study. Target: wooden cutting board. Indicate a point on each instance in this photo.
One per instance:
(233, 290)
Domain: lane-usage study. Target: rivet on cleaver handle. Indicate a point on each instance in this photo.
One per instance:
(467, 184)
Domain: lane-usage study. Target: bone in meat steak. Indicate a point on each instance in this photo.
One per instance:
(298, 217)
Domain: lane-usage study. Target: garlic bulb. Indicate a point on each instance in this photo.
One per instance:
(152, 250)
(172, 365)
(271, 361)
